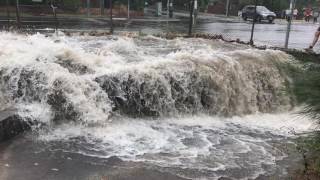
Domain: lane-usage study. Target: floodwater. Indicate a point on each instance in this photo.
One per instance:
(120, 107)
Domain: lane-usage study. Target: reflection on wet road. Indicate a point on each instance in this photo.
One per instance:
(233, 28)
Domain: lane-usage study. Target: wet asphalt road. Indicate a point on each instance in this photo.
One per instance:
(233, 28)
(25, 158)
(265, 34)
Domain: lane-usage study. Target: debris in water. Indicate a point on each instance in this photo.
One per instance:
(54, 169)
(36, 164)
(7, 165)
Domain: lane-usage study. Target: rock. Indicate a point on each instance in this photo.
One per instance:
(11, 125)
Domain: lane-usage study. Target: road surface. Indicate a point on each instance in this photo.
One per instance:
(230, 27)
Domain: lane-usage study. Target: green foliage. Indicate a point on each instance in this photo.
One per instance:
(74, 3)
(305, 3)
(311, 141)
(138, 5)
(307, 89)
(279, 5)
(309, 146)
(305, 83)
(304, 73)
(180, 3)
(134, 5)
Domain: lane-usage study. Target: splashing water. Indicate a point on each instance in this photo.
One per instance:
(139, 77)
(199, 105)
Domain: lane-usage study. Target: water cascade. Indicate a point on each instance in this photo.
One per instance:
(202, 105)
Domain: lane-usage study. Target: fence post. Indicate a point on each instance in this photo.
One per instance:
(88, 8)
(8, 13)
(168, 4)
(101, 7)
(55, 16)
(128, 9)
(191, 17)
(195, 11)
(253, 22)
(292, 4)
(227, 7)
(111, 18)
(18, 13)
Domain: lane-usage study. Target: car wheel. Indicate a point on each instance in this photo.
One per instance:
(244, 17)
(259, 19)
(271, 19)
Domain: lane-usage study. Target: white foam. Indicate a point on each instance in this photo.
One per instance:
(39, 54)
(122, 56)
(36, 111)
(197, 142)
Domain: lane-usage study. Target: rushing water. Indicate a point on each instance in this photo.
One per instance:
(192, 107)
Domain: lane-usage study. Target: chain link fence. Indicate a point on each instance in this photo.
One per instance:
(155, 17)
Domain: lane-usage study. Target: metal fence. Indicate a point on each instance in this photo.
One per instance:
(152, 17)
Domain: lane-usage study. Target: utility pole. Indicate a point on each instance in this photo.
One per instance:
(111, 18)
(253, 22)
(88, 8)
(292, 5)
(191, 17)
(18, 13)
(227, 7)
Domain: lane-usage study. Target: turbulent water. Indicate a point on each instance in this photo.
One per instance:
(194, 107)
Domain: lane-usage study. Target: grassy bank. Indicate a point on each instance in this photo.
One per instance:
(305, 83)
(309, 147)
(305, 87)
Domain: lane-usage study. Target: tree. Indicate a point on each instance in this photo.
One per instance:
(279, 5)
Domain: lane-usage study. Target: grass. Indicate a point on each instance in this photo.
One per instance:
(304, 85)
(309, 147)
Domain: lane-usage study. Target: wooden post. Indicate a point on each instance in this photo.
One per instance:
(253, 22)
(55, 15)
(227, 7)
(18, 14)
(191, 17)
(168, 3)
(111, 18)
(101, 7)
(128, 9)
(8, 13)
(292, 6)
(88, 8)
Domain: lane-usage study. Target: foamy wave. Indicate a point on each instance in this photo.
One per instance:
(92, 76)
(208, 144)
(80, 82)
